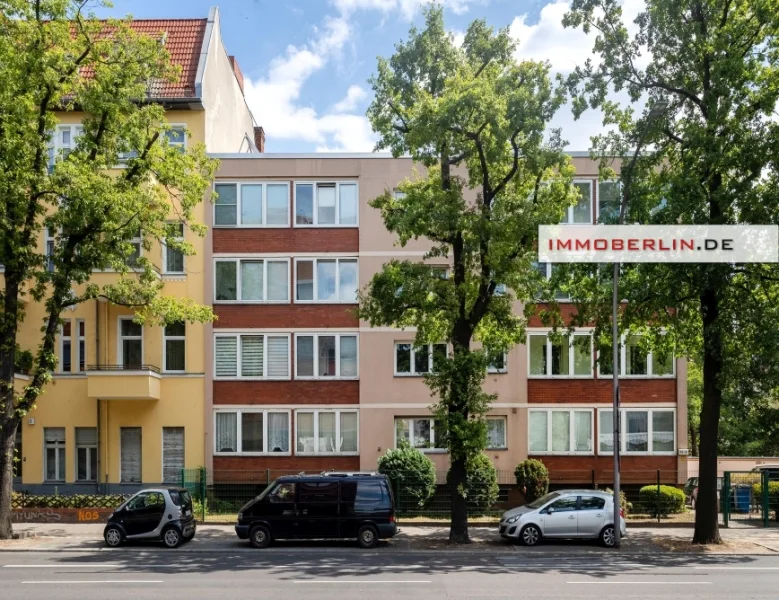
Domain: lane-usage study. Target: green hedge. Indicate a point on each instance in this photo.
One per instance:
(532, 478)
(670, 500)
(773, 496)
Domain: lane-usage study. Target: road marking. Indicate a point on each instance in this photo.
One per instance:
(719, 568)
(361, 581)
(94, 581)
(639, 582)
(59, 566)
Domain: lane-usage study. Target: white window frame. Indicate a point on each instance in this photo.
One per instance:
(165, 253)
(413, 373)
(57, 445)
(494, 371)
(571, 363)
(650, 427)
(598, 182)
(430, 450)
(237, 337)
(76, 131)
(180, 338)
(63, 338)
(239, 198)
(649, 367)
(120, 338)
(180, 127)
(315, 280)
(316, 412)
(239, 434)
(238, 282)
(505, 433)
(570, 209)
(81, 339)
(91, 477)
(337, 224)
(559, 296)
(48, 238)
(338, 375)
(571, 431)
(137, 240)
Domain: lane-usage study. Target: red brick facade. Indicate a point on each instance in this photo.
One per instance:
(635, 469)
(287, 239)
(286, 392)
(224, 465)
(599, 391)
(251, 316)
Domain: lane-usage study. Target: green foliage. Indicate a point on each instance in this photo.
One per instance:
(626, 506)
(477, 119)
(412, 475)
(773, 496)
(481, 484)
(669, 500)
(532, 477)
(23, 361)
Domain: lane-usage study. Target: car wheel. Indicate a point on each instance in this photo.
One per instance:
(113, 536)
(530, 535)
(367, 537)
(608, 536)
(260, 537)
(172, 537)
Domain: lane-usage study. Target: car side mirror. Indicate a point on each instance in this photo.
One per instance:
(550, 510)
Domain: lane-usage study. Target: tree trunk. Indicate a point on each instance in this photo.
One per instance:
(7, 444)
(693, 441)
(458, 531)
(706, 505)
(8, 418)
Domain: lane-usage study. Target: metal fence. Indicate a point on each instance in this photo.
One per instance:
(749, 499)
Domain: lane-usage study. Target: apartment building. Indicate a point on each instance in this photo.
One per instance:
(295, 381)
(127, 403)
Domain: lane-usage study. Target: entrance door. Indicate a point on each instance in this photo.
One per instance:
(562, 521)
(130, 455)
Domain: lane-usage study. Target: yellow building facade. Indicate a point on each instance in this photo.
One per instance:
(126, 405)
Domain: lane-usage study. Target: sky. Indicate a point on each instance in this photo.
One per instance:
(306, 63)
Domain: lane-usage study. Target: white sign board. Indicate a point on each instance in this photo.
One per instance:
(658, 243)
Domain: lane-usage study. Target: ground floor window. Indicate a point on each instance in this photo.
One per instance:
(86, 453)
(644, 431)
(420, 432)
(130, 455)
(496, 433)
(553, 431)
(172, 454)
(251, 431)
(326, 431)
(55, 453)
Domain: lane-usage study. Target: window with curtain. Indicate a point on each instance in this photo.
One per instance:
(226, 435)
(420, 432)
(250, 431)
(554, 431)
(265, 280)
(251, 356)
(278, 432)
(636, 431)
(539, 428)
(644, 431)
(606, 431)
(326, 431)
(496, 433)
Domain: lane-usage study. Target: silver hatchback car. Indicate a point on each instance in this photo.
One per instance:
(583, 514)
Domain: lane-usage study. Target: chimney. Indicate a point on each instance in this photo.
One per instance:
(237, 71)
(259, 138)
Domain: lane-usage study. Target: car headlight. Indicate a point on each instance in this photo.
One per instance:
(513, 519)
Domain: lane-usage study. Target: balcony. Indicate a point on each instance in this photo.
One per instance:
(123, 382)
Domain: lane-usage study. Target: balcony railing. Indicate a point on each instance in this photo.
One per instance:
(127, 367)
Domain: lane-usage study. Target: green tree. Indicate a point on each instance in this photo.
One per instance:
(46, 48)
(714, 62)
(475, 121)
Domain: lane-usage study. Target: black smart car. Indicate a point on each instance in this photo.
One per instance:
(328, 506)
(160, 514)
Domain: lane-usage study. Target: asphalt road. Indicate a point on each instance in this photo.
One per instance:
(343, 575)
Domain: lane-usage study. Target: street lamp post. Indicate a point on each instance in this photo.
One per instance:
(658, 108)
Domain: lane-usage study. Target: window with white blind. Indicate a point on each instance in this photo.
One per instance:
(54, 440)
(263, 356)
(569, 357)
(86, 453)
(554, 431)
(251, 431)
(329, 280)
(322, 356)
(130, 454)
(417, 360)
(172, 454)
(262, 280)
(252, 204)
(326, 204)
(643, 431)
(326, 432)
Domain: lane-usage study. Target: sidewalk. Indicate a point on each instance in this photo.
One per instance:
(222, 538)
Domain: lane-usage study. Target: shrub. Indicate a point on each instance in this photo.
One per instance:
(532, 478)
(626, 506)
(481, 485)
(412, 475)
(773, 496)
(669, 501)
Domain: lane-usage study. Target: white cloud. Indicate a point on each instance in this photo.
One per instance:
(458, 36)
(354, 95)
(408, 8)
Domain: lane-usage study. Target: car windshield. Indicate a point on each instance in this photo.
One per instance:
(538, 503)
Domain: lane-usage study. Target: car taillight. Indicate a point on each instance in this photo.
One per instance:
(392, 518)
(622, 512)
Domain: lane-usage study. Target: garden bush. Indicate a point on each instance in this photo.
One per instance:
(670, 500)
(773, 496)
(412, 475)
(481, 485)
(626, 506)
(532, 478)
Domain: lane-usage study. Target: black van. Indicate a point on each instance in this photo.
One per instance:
(328, 506)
